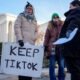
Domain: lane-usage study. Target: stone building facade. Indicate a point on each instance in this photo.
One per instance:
(7, 27)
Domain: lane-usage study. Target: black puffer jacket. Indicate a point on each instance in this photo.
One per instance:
(71, 48)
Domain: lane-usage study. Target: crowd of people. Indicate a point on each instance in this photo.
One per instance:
(26, 30)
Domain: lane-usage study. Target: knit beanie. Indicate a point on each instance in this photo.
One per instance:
(54, 15)
(27, 5)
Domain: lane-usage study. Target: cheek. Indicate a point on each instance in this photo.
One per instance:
(31, 11)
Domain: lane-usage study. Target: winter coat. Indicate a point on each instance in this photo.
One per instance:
(71, 48)
(25, 30)
(52, 34)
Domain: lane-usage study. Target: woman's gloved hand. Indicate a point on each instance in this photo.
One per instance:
(45, 48)
(46, 52)
(21, 43)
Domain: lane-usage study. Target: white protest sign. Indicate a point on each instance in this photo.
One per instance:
(25, 61)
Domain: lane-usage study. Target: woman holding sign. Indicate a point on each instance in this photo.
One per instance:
(26, 29)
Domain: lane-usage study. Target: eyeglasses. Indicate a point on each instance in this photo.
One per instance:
(55, 17)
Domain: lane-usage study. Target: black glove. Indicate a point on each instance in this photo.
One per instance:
(45, 48)
(21, 43)
(46, 52)
(47, 55)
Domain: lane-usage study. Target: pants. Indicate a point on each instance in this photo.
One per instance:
(73, 65)
(60, 61)
(25, 78)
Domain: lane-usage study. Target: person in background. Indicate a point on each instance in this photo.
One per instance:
(53, 52)
(71, 49)
(26, 29)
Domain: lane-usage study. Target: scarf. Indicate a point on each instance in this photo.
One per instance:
(29, 17)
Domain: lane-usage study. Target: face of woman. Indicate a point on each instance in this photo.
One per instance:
(29, 10)
(56, 19)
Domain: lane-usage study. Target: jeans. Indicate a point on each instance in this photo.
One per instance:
(60, 62)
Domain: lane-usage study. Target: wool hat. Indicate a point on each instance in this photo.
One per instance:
(28, 4)
(55, 15)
